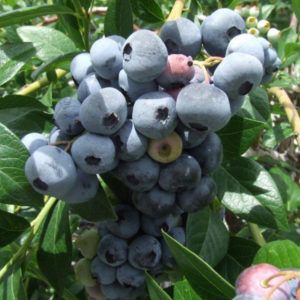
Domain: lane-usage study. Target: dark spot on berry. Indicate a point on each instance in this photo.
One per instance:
(245, 88)
(92, 160)
(232, 32)
(165, 150)
(171, 46)
(165, 227)
(110, 119)
(190, 63)
(199, 127)
(162, 114)
(152, 256)
(132, 179)
(127, 52)
(110, 258)
(39, 184)
(120, 217)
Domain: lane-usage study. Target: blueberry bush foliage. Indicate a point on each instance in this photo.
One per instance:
(47, 245)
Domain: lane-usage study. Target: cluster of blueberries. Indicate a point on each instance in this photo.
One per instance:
(145, 113)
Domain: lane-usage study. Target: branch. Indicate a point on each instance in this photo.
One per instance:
(36, 85)
(35, 225)
(176, 10)
(256, 234)
(289, 108)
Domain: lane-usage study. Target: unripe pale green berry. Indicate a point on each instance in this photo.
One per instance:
(87, 243)
(263, 26)
(83, 272)
(251, 22)
(254, 11)
(273, 35)
(245, 11)
(253, 31)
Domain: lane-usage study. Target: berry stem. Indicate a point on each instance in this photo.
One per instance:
(21, 253)
(256, 234)
(36, 85)
(176, 10)
(289, 108)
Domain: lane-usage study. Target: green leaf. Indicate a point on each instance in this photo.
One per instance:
(296, 8)
(97, 209)
(238, 135)
(229, 268)
(12, 58)
(11, 227)
(47, 99)
(282, 254)
(147, 10)
(207, 236)
(266, 10)
(23, 114)
(24, 14)
(54, 254)
(48, 42)
(274, 136)
(249, 191)
(256, 106)
(118, 19)
(14, 187)
(288, 188)
(183, 291)
(62, 62)
(288, 35)
(242, 250)
(155, 291)
(202, 277)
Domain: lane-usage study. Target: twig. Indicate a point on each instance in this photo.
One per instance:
(36, 85)
(35, 225)
(256, 234)
(289, 108)
(176, 10)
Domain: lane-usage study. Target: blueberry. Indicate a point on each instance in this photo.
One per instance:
(84, 189)
(219, 28)
(91, 84)
(167, 149)
(270, 57)
(181, 36)
(154, 115)
(196, 199)
(127, 224)
(32, 141)
(238, 74)
(236, 104)
(154, 226)
(247, 43)
(104, 112)
(178, 234)
(51, 171)
(129, 276)
(178, 72)
(144, 56)
(66, 116)
(155, 202)
(81, 66)
(103, 273)
(94, 154)
(116, 291)
(195, 111)
(112, 250)
(209, 154)
(130, 144)
(140, 175)
(56, 136)
(190, 137)
(264, 42)
(180, 175)
(144, 252)
(134, 89)
(249, 282)
(106, 58)
(118, 39)
(199, 75)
